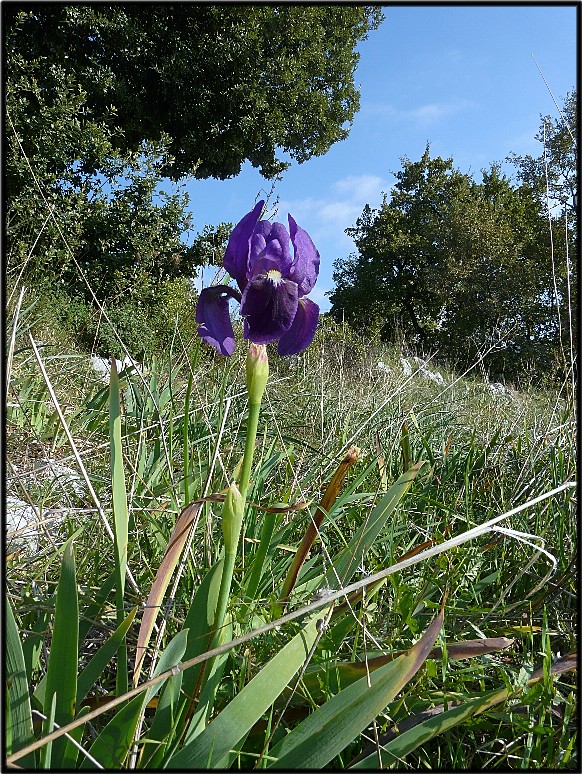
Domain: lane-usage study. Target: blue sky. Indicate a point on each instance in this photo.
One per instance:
(461, 77)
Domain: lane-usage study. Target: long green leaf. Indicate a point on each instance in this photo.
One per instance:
(93, 610)
(351, 557)
(120, 517)
(325, 733)
(61, 677)
(87, 619)
(209, 748)
(396, 747)
(47, 751)
(97, 664)
(208, 695)
(199, 622)
(185, 441)
(18, 714)
(112, 745)
(394, 751)
(337, 675)
(32, 645)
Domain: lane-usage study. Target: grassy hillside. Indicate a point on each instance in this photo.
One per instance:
(179, 436)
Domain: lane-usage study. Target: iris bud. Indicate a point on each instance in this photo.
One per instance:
(257, 372)
(232, 516)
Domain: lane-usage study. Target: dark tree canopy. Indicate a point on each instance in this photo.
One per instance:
(225, 82)
(105, 101)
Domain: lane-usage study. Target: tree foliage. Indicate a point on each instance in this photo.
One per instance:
(226, 83)
(108, 104)
(455, 266)
(554, 172)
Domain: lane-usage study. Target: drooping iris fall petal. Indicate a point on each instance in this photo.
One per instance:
(268, 305)
(213, 315)
(302, 330)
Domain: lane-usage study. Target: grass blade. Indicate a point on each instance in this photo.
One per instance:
(325, 733)
(327, 501)
(61, 680)
(18, 710)
(112, 745)
(120, 518)
(209, 748)
(393, 747)
(351, 557)
(96, 666)
(339, 675)
(394, 751)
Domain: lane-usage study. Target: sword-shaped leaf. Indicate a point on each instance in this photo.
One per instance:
(221, 735)
(325, 733)
(18, 710)
(61, 677)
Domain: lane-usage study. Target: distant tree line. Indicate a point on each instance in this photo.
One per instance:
(458, 266)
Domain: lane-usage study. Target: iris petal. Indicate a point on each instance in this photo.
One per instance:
(281, 235)
(301, 333)
(236, 256)
(305, 267)
(258, 244)
(269, 307)
(212, 313)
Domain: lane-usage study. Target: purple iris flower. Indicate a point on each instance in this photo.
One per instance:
(272, 283)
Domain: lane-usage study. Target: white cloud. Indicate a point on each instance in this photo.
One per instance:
(360, 187)
(330, 216)
(423, 114)
(318, 296)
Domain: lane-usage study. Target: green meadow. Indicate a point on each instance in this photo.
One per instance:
(460, 658)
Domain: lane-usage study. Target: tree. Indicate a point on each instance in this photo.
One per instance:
(454, 266)
(555, 170)
(105, 101)
(552, 178)
(225, 83)
(402, 253)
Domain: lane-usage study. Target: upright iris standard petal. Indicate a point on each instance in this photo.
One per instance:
(269, 249)
(213, 314)
(236, 257)
(305, 267)
(302, 330)
(269, 304)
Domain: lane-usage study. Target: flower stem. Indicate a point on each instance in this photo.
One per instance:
(252, 425)
(232, 517)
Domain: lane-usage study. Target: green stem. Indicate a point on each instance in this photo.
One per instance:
(230, 557)
(252, 425)
(185, 444)
(257, 373)
(223, 596)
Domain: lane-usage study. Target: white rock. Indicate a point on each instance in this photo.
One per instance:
(432, 376)
(129, 362)
(383, 367)
(497, 388)
(21, 516)
(406, 367)
(103, 367)
(64, 475)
